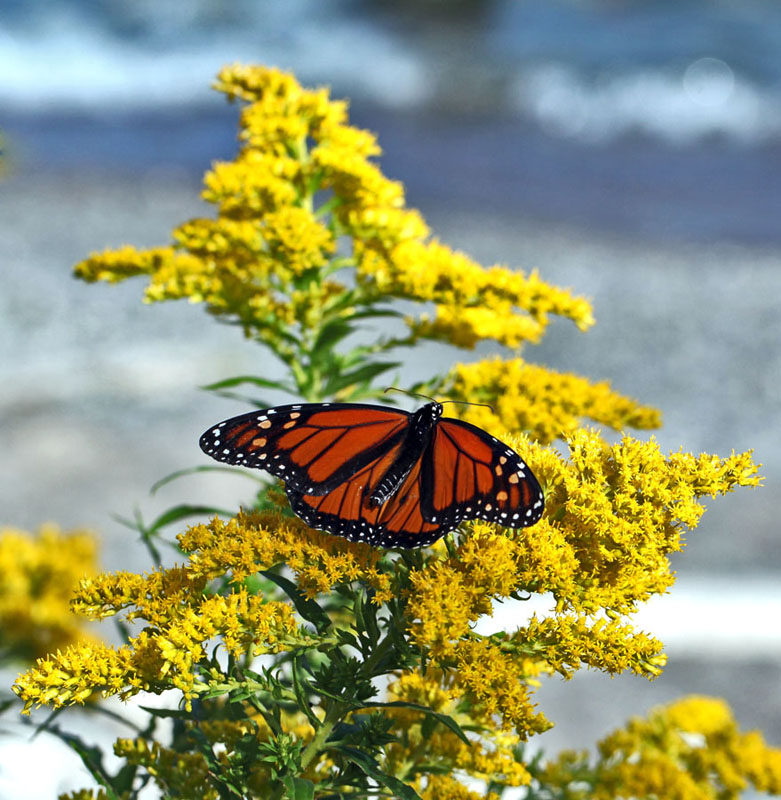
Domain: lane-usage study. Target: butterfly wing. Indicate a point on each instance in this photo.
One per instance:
(463, 473)
(313, 447)
(333, 456)
(349, 511)
(468, 474)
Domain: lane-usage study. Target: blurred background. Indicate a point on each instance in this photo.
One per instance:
(629, 149)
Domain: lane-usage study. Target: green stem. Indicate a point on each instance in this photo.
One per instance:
(332, 716)
(337, 711)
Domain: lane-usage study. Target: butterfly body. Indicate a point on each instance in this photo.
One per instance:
(418, 436)
(382, 475)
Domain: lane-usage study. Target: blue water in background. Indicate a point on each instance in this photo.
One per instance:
(661, 119)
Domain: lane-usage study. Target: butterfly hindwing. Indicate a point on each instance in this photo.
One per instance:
(469, 474)
(349, 510)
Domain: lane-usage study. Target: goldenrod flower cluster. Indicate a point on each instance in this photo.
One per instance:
(181, 619)
(492, 756)
(87, 794)
(614, 514)
(189, 775)
(302, 200)
(251, 542)
(473, 303)
(38, 574)
(546, 404)
(691, 749)
(177, 773)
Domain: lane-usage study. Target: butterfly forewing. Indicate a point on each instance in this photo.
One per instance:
(313, 447)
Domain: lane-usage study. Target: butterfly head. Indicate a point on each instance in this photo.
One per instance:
(425, 418)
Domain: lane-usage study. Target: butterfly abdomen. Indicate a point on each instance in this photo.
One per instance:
(418, 436)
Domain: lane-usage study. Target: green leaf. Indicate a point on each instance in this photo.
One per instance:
(366, 618)
(203, 468)
(300, 686)
(306, 607)
(370, 313)
(177, 513)
(346, 637)
(167, 713)
(330, 334)
(138, 525)
(372, 769)
(92, 758)
(238, 380)
(447, 721)
(361, 376)
(298, 788)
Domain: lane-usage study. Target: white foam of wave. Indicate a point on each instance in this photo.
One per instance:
(706, 98)
(67, 63)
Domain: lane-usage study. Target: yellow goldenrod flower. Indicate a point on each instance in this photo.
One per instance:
(540, 401)
(473, 303)
(565, 642)
(303, 200)
(690, 749)
(496, 681)
(622, 509)
(251, 542)
(252, 185)
(490, 756)
(445, 787)
(308, 237)
(614, 513)
(180, 619)
(38, 574)
(177, 773)
(86, 794)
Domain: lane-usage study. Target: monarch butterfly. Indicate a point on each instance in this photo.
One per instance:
(382, 475)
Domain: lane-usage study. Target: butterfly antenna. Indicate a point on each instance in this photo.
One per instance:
(442, 402)
(468, 403)
(412, 394)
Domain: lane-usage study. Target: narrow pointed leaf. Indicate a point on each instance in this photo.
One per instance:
(330, 335)
(447, 721)
(300, 686)
(362, 375)
(372, 769)
(307, 608)
(239, 380)
(92, 758)
(180, 473)
(167, 713)
(183, 511)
